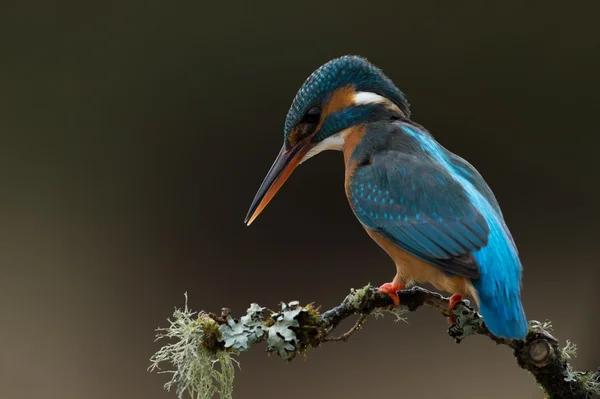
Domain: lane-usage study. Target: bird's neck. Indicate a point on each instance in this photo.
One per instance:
(353, 136)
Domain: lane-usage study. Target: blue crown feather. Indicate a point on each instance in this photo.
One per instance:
(338, 73)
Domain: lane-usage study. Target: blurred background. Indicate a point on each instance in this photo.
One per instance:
(134, 135)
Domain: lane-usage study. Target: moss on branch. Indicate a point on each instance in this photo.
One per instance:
(200, 354)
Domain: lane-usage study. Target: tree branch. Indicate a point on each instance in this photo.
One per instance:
(294, 329)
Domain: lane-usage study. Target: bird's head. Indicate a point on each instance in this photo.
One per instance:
(343, 93)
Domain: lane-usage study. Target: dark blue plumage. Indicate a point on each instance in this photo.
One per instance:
(415, 202)
(337, 73)
(436, 206)
(343, 119)
(428, 208)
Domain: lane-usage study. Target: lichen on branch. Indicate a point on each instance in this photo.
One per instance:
(199, 365)
(202, 345)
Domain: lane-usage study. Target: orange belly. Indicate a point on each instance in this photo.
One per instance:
(411, 269)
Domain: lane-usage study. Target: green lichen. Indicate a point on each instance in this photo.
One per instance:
(211, 334)
(591, 382)
(239, 335)
(357, 297)
(466, 322)
(308, 333)
(281, 336)
(588, 380)
(397, 313)
(569, 351)
(541, 325)
(570, 375)
(198, 369)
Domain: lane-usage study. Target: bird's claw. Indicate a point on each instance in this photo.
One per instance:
(452, 302)
(391, 289)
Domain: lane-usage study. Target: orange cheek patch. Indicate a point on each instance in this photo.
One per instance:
(338, 100)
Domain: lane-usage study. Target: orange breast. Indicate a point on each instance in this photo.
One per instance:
(351, 140)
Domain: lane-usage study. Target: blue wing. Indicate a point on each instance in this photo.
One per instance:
(414, 202)
(466, 170)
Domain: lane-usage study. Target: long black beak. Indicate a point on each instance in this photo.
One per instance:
(287, 160)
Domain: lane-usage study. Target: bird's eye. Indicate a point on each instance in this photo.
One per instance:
(313, 115)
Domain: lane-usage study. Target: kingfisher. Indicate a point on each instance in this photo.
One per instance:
(427, 208)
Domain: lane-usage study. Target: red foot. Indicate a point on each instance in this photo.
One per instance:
(454, 299)
(390, 289)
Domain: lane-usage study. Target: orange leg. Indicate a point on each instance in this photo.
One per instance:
(391, 290)
(454, 300)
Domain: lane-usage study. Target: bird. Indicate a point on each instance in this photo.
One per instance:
(429, 209)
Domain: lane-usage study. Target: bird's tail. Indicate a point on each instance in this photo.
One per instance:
(501, 307)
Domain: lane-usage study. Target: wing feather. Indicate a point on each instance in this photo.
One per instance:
(419, 206)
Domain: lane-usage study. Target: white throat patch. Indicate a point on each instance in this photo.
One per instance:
(336, 141)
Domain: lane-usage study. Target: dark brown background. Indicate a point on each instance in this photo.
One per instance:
(134, 136)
